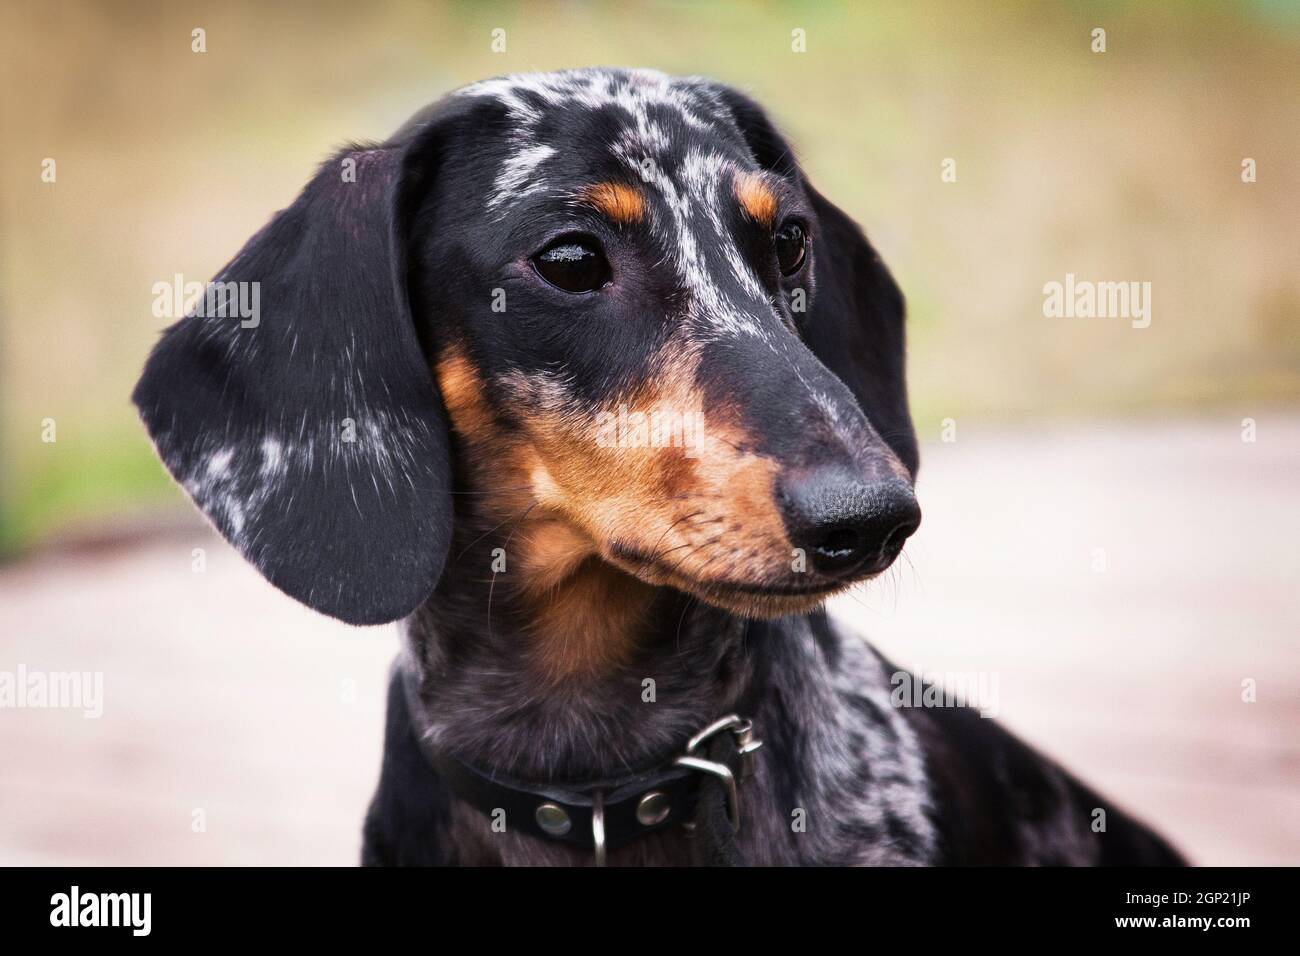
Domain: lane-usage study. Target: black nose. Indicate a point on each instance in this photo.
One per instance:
(845, 525)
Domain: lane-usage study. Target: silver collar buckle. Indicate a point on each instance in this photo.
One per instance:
(746, 745)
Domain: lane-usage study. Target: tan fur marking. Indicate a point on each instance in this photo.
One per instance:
(756, 197)
(620, 203)
(589, 625)
(551, 551)
(462, 393)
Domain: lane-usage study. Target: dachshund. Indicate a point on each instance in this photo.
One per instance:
(580, 379)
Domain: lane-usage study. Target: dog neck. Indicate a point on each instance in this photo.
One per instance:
(603, 675)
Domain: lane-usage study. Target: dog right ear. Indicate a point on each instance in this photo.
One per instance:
(294, 403)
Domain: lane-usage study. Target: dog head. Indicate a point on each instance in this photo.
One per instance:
(606, 299)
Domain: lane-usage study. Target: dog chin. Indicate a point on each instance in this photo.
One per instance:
(759, 601)
(763, 606)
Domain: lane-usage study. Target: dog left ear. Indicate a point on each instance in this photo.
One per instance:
(855, 325)
(295, 407)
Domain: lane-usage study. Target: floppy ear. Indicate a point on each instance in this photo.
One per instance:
(295, 407)
(855, 323)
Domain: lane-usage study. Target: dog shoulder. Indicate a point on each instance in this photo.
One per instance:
(869, 760)
(994, 799)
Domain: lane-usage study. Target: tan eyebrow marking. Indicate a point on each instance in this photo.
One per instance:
(756, 197)
(621, 203)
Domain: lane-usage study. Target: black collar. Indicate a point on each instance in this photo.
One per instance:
(601, 815)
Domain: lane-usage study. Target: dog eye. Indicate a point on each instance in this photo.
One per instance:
(573, 264)
(791, 247)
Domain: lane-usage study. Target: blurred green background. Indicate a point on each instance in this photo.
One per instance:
(1117, 166)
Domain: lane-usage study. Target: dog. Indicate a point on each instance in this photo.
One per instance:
(579, 378)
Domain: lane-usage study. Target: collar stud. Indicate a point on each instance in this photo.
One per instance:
(653, 808)
(553, 819)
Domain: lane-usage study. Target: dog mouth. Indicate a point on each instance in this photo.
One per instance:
(752, 598)
(774, 590)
